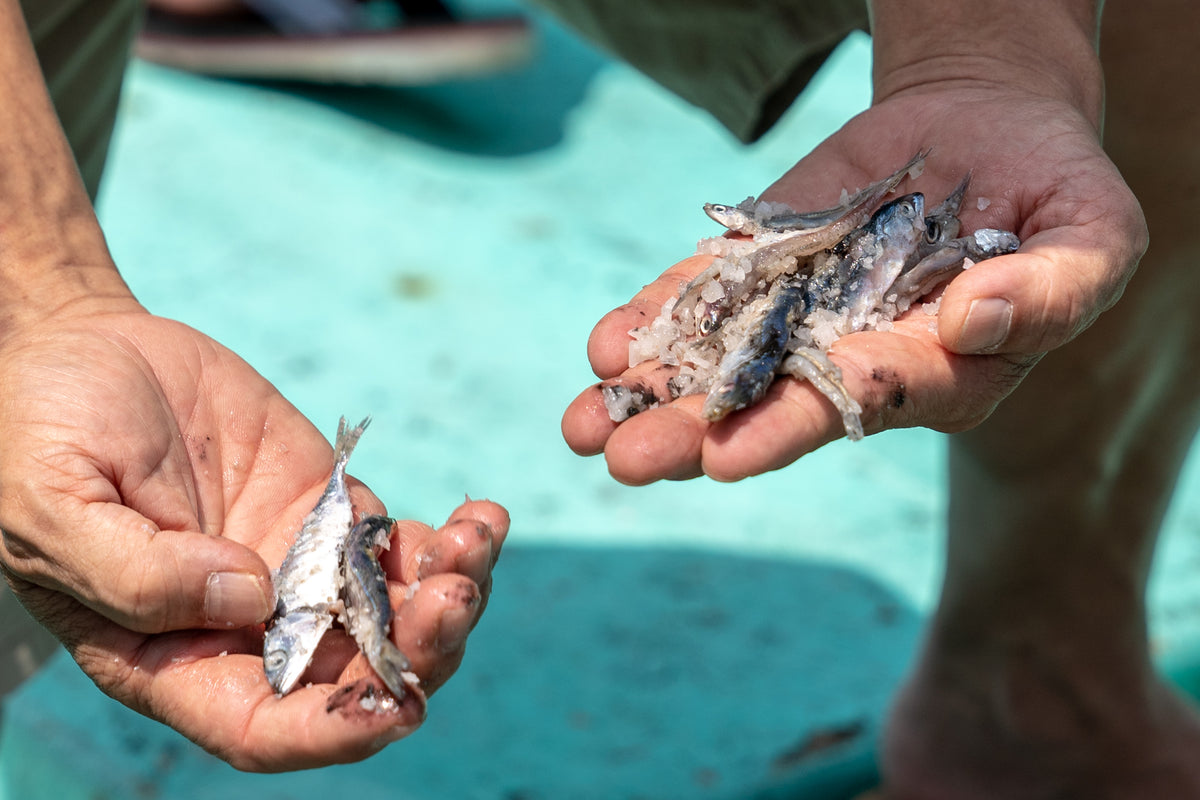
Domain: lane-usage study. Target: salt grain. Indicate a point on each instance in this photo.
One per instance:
(982, 203)
(712, 292)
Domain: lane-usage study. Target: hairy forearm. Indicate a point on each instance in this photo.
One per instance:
(52, 252)
(1044, 46)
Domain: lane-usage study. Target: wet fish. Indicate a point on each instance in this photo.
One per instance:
(876, 259)
(368, 611)
(756, 219)
(774, 248)
(774, 303)
(747, 371)
(941, 222)
(308, 585)
(948, 259)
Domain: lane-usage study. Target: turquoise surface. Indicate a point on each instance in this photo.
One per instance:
(436, 258)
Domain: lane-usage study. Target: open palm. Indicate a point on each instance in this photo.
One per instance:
(1039, 165)
(149, 478)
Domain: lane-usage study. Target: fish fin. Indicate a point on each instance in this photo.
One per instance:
(347, 438)
(391, 665)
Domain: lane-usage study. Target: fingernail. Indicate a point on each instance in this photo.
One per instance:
(235, 599)
(986, 326)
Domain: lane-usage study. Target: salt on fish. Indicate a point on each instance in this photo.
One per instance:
(860, 281)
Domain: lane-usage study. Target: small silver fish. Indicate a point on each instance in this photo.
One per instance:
(775, 245)
(746, 372)
(747, 216)
(946, 261)
(308, 585)
(877, 259)
(368, 611)
(941, 221)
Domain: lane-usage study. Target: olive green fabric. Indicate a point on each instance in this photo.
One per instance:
(83, 46)
(744, 61)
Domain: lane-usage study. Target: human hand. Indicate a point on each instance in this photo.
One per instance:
(148, 478)
(1035, 157)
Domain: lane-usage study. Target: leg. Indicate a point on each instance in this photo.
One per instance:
(1036, 680)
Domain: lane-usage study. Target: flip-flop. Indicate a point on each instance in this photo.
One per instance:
(396, 43)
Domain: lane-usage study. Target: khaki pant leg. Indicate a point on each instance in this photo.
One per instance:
(744, 61)
(83, 46)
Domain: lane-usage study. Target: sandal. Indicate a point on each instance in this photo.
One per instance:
(377, 42)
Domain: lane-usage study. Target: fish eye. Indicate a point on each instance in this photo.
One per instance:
(274, 661)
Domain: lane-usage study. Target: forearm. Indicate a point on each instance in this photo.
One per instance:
(52, 252)
(1043, 46)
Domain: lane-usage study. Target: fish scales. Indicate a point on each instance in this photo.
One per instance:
(308, 585)
(368, 610)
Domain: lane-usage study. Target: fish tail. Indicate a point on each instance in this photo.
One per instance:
(391, 664)
(347, 438)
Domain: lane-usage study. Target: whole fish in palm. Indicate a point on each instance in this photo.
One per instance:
(310, 585)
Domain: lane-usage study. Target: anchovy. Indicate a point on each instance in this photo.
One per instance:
(773, 304)
(746, 372)
(308, 585)
(947, 260)
(942, 223)
(774, 247)
(877, 259)
(368, 611)
(746, 217)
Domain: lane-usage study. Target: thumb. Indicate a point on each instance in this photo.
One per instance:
(1032, 301)
(150, 580)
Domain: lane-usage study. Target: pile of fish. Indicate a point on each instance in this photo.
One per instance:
(332, 571)
(774, 299)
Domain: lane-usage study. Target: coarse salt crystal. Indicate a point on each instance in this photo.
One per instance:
(982, 203)
(712, 292)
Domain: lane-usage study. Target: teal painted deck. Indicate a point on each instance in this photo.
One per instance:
(436, 258)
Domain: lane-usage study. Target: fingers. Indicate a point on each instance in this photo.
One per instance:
(608, 345)
(432, 624)
(468, 544)
(145, 579)
(445, 577)
(902, 378)
(586, 424)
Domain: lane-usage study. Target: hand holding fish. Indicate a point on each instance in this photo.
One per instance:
(1037, 169)
(149, 477)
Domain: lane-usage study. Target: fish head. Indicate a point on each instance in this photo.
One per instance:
(900, 218)
(735, 218)
(939, 229)
(289, 645)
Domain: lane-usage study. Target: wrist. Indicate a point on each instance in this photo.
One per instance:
(1040, 47)
(53, 272)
